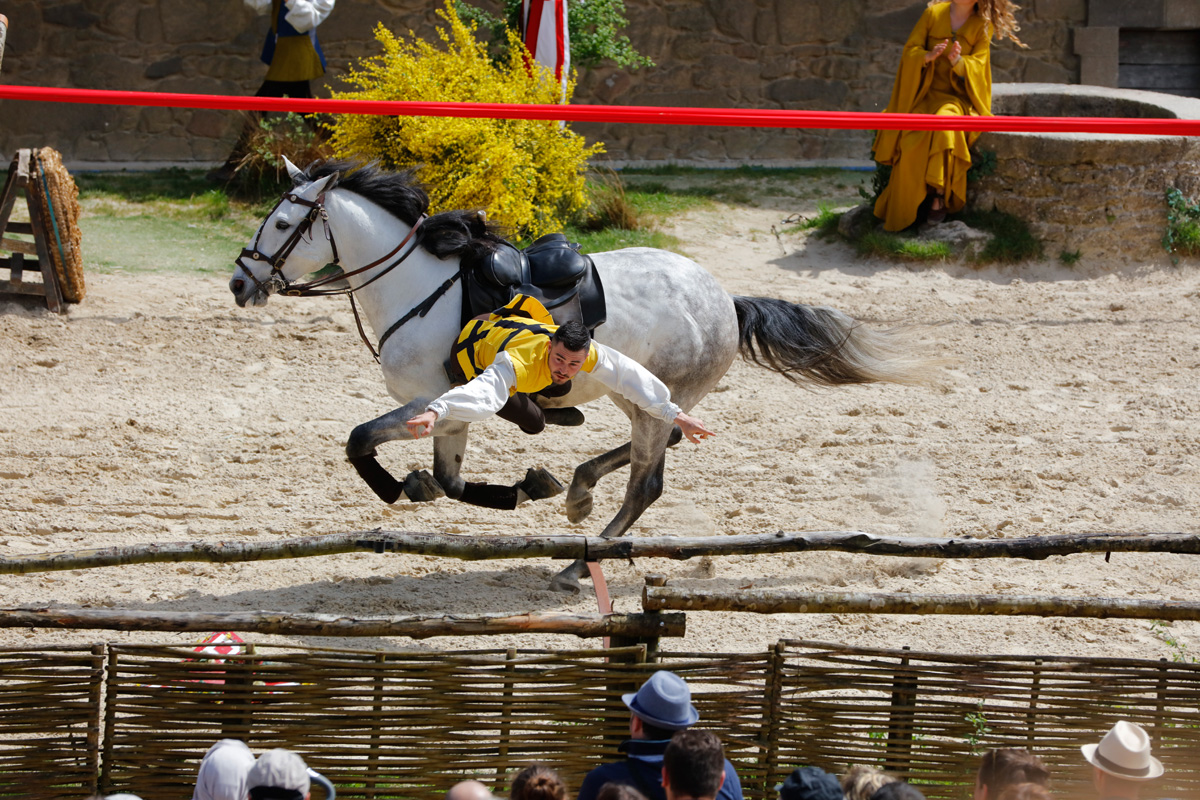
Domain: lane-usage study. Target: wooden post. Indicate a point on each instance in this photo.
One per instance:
(1160, 704)
(510, 655)
(96, 698)
(773, 697)
(900, 724)
(238, 677)
(377, 720)
(110, 722)
(1031, 714)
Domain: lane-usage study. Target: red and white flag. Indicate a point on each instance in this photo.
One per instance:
(544, 31)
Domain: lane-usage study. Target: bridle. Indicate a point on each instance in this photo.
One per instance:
(277, 283)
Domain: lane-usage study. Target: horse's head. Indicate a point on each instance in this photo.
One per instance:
(285, 248)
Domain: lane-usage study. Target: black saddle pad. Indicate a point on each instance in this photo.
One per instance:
(551, 269)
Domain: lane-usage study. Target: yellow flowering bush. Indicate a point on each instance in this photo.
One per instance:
(527, 174)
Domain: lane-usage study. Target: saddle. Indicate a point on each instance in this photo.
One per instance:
(551, 269)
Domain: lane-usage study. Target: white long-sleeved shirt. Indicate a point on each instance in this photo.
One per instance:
(487, 392)
(303, 15)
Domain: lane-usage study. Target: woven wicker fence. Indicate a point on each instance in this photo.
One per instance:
(411, 724)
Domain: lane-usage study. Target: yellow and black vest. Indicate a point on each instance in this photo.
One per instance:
(522, 329)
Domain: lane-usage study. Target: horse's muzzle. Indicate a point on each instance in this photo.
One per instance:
(246, 292)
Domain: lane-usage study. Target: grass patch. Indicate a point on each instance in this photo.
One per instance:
(1012, 240)
(904, 248)
(615, 239)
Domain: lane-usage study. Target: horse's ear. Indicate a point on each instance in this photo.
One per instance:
(294, 172)
(323, 184)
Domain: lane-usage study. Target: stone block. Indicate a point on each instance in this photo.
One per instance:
(70, 15)
(725, 71)
(157, 120)
(161, 69)
(811, 93)
(692, 18)
(733, 18)
(796, 23)
(895, 26)
(149, 26)
(184, 21)
(102, 71)
(766, 31)
(1036, 71)
(1181, 14)
(1127, 13)
(690, 47)
(165, 148)
(1069, 10)
(212, 124)
(612, 86)
(1097, 41)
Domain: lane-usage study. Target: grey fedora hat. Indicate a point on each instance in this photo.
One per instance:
(665, 701)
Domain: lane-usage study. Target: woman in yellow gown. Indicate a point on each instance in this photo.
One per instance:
(945, 69)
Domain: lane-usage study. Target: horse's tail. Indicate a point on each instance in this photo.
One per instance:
(821, 345)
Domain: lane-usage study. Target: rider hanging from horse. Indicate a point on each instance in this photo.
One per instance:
(501, 362)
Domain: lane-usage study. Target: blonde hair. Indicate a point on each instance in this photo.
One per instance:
(861, 781)
(998, 14)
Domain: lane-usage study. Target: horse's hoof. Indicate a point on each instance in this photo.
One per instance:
(540, 484)
(562, 582)
(579, 505)
(566, 417)
(421, 487)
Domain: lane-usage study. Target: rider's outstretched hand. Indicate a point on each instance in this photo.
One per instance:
(692, 428)
(421, 424)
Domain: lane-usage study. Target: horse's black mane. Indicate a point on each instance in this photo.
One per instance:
(466, 234)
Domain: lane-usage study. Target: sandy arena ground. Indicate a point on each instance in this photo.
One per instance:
(157, 411)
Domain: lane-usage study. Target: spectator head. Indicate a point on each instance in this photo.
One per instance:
(278, 775)
(660, 707)
(469, 790)
(1026, 791)
(1007, 766)
(693, 766)
(538, 782)
(1121, 762)
(861, 781)
(897, 790)
(223, 771)
(618, 791)
(810, 783)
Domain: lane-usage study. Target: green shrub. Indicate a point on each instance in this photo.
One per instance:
(890, 245)
(593, 26)
(262, 170)
(1012, 240)
(1183, 224)
(527, 174)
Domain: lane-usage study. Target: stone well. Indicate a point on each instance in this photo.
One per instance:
(1103, 195)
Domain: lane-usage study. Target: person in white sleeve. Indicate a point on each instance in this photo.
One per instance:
(516, 352)
(293, 57)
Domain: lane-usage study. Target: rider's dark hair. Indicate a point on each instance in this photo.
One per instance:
(693, 763)
(572, 335)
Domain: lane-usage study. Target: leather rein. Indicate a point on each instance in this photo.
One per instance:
(276, 282)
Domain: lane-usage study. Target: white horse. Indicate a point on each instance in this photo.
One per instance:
(664, 311)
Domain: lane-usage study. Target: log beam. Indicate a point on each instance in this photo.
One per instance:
(470, 547)
(415, 627)
(769, 601)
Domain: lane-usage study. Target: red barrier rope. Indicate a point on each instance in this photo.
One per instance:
(731, 117)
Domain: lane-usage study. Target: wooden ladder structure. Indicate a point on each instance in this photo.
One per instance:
(20, 174)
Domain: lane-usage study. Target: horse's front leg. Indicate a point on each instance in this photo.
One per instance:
(646, 453)
(419, 485)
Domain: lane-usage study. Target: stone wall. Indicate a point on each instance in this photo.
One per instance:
(1102, 195)
(796, 54)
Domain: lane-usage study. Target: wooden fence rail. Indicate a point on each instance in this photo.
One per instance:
(634, 626)
(774, 601)
(472, 547)
(409, 724)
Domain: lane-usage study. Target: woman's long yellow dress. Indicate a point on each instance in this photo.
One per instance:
(937, 159)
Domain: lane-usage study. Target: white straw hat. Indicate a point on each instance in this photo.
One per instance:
(1124, 752)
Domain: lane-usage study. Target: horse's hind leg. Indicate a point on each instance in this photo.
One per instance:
(647, 454)
(587, 474)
